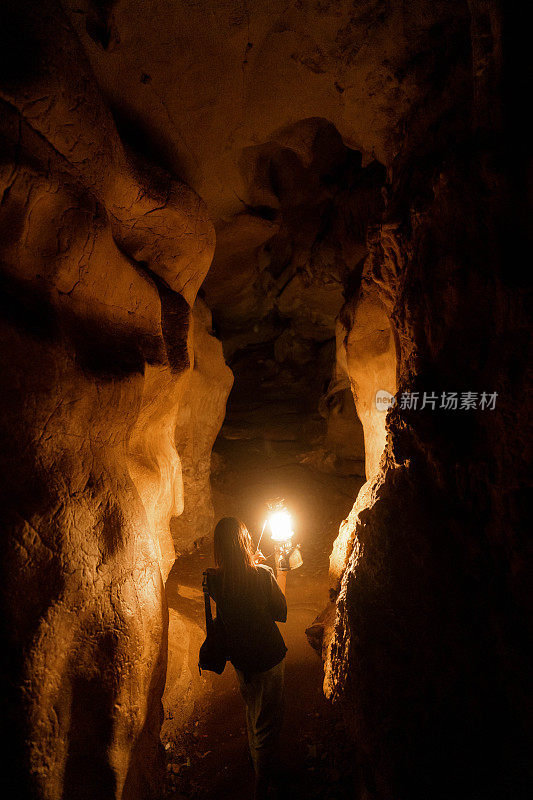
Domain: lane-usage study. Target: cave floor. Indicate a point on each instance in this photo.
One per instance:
(208, 757)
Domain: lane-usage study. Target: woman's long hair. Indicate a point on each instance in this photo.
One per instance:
(234, 555)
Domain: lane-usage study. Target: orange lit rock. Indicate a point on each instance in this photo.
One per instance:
(426, 652)
(324, 137)
(170, 444)
(94, 254)
(370, 364)
(224, 78)
(201, 413)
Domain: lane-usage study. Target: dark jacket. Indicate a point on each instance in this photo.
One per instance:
(253, 639)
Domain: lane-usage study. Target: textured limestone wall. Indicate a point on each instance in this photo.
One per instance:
(278, 279)
(370, 348)
(259, 106)
(428, 652)
(101, 259)
(170, 444)
(202, 410)
(203, 83)
(367, 356)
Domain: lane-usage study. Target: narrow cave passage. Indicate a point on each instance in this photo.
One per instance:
(271, 432)
(325, 205)
(281, 276)
(214, 741)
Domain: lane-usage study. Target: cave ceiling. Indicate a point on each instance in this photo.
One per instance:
(201, 86)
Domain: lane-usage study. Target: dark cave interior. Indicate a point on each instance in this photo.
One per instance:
(254, 249)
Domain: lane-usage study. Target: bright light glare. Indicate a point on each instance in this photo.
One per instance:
(281, 526)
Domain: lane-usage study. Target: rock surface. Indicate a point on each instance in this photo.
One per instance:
(428, 651)
(355, 158)
(278, 281)
(101, 260)
(200, 418)
(206, 84)
(269, 112)
(371, 362)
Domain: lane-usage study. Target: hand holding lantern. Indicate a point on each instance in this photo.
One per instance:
(287, 554)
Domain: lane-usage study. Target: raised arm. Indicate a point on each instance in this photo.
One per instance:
(278, 603)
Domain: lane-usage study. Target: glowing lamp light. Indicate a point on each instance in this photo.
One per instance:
(287, 554)
(281, 526)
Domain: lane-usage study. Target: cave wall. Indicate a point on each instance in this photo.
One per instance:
(239, 73)
(258, 106)
(371, 362)
(102, 257)
(170, 443)
(202, 410)
(427, 653)
(277, 285)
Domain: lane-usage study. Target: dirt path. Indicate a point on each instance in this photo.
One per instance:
(209, 758)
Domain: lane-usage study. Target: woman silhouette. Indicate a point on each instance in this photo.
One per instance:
(249, 601)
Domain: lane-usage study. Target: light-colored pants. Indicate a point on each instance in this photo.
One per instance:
(263, 696)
